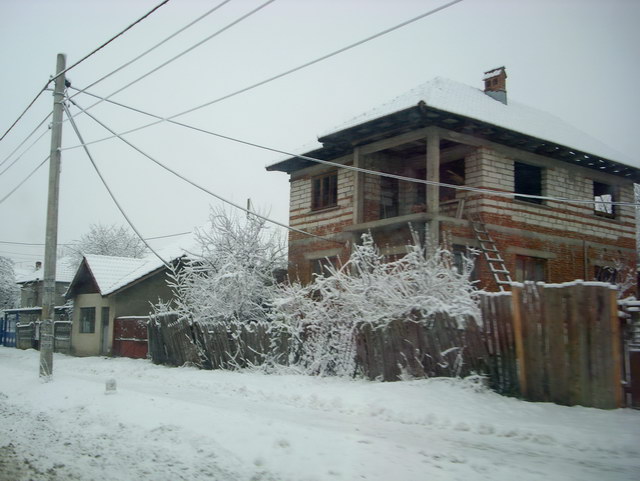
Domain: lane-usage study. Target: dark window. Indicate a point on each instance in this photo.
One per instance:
(389, 193)
(324, 191)
(606, 274)
(451, 173)
(531, 269)
(604, 197)
(527, 180)
(87, 320)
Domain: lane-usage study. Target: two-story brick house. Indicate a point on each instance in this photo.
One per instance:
(555, 202)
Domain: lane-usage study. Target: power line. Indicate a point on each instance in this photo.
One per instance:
(279, 76)
(124, 65)
(168, 235)
(40, 244)
(22, 154)
(480, 190)
(27, 138)
(201, 42)
(24, 111)
(24, 180)
(58, 74)
(164, 2)
(95, 166)
(219, 197)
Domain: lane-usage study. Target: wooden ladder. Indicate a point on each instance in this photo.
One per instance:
(491, 254)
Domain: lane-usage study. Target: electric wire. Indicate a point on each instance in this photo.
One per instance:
(122, 32)
(78, 63)
(480, 190)
(113, 197)
(27, 138)
(24, 152)
(124, 65)
(176, 57)
(24, 180)
(283, 74)
(204, 189)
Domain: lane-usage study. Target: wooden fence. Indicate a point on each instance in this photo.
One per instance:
(558, 343)
(437, 348)
(414, 347)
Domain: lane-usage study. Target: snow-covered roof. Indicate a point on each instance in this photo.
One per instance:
(64, 273)
(113, 273)
(458, 98)
(444, 95)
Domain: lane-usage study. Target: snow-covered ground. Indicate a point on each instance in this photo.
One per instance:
(186, 424)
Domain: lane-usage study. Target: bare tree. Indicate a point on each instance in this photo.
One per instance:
(106, 240)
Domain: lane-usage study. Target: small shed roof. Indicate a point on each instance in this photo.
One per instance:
(64, 273)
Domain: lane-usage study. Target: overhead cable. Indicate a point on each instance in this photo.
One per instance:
(58, 74)
(24, 152)
(201, 42)
(481, 190)
(204, 189)
(113, 197)
(285, 73)
(124, 65)
(122, 32)
(27, 138)
(24, 180)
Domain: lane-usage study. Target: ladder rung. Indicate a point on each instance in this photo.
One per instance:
(494, 259)
(488, 249)
(498, 271)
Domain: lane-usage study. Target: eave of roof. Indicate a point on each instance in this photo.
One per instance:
(400, 116)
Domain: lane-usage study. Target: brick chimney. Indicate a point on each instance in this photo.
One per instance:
(495, 84)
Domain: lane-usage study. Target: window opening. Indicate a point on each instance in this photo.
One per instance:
(531, 269)
(604, 197)
(324, 191)
(527, 180)
(87, 320)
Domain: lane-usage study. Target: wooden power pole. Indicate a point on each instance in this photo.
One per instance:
(51, 239)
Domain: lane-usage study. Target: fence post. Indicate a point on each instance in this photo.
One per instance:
(615, 350)
(516, 298)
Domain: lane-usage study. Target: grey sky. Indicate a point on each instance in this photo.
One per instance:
(575, 59)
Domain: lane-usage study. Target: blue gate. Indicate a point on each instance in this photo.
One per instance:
(8, 329)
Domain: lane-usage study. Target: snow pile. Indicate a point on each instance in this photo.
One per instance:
(185, 424)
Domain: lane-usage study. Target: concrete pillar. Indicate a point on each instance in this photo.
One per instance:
(433, 191)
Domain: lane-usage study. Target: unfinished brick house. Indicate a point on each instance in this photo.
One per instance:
(448, 133)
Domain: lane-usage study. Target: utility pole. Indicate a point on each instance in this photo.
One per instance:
(51, 239)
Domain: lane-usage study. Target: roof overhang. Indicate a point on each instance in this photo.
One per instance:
(421, 115)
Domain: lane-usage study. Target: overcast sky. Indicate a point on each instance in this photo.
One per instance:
(576, 59)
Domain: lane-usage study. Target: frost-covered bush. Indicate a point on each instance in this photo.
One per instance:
(233, 278)
(9, 290)
(322, 317)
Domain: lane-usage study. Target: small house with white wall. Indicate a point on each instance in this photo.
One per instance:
(106, 288)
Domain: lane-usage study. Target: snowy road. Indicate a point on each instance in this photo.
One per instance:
(185, 424)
